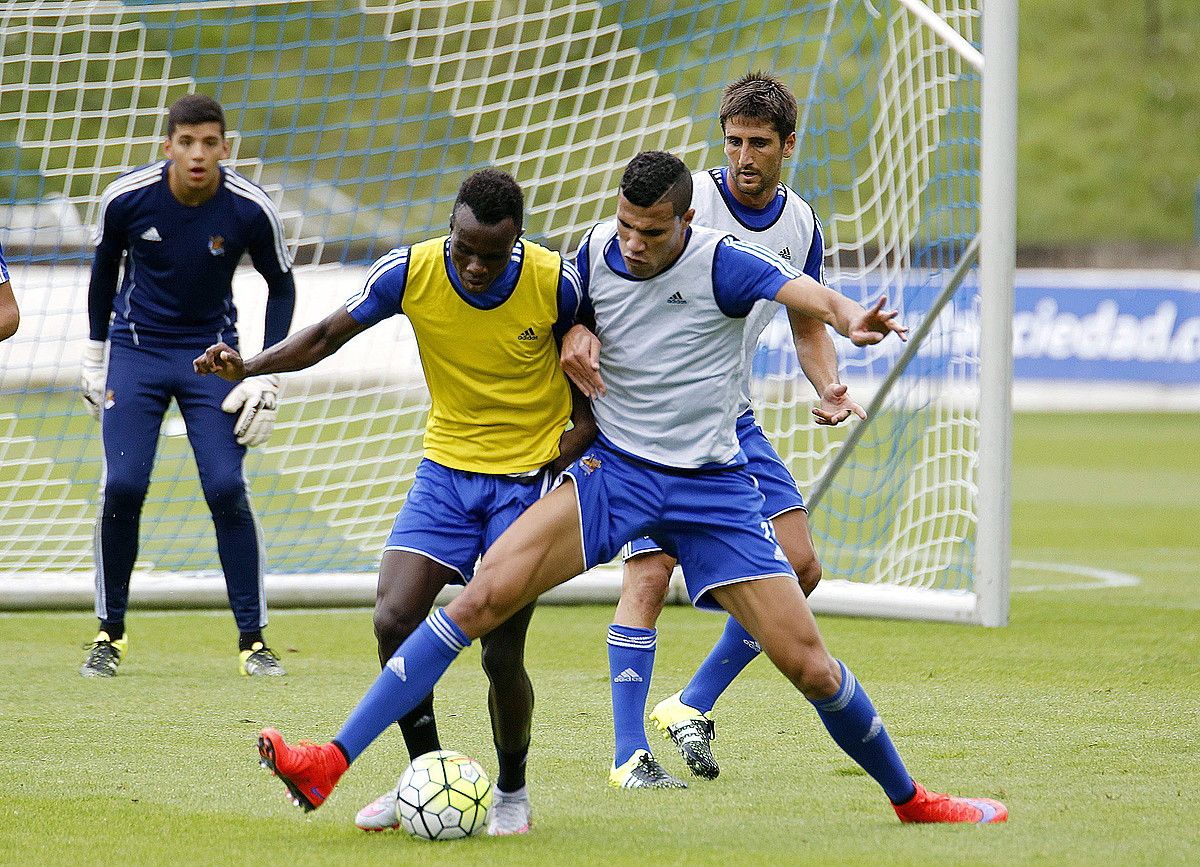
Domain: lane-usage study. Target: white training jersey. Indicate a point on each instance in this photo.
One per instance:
(672, 345)
(791, 236)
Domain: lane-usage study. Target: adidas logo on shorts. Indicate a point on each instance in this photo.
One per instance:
(677, 298)
(628, 676)
(528, 334)
(785, 253)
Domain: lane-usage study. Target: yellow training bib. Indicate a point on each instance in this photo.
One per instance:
(499, 399)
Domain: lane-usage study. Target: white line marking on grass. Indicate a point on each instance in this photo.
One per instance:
(1102, 579)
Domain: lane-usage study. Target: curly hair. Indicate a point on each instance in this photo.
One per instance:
(492, 195)
(193, 109)
(760, 96)
(652, 176)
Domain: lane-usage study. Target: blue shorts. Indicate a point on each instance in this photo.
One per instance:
(712, 522)
(775, 482)
(453, 516)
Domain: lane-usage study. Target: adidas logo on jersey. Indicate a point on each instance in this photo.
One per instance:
(785, 253)
(677, 298)
(528, 334)
(628, 676)
(151, 234)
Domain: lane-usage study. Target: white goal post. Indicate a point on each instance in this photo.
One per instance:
(361, 117)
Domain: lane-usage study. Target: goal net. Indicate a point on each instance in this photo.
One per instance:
(362, 118)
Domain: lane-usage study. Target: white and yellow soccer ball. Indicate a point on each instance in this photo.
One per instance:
(443, 795)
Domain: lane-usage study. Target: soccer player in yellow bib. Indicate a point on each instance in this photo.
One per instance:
(497, 431)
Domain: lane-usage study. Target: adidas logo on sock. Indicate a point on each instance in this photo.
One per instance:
(677, 299)
(785, 253)
(628, 676)
(753, 645)
(876, 728)
(151, 234)
(528, 334)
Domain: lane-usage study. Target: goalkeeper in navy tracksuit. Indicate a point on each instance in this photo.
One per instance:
(183, 225)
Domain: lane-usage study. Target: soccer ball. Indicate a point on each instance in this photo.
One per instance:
(443, 796)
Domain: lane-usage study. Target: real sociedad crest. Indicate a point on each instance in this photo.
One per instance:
(216, 245)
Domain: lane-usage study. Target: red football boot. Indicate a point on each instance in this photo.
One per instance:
(926, 806)
(310, 771)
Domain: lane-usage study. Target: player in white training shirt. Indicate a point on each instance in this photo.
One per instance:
(745, 198)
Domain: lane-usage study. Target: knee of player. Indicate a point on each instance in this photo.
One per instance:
(123, 496)
(808, 570)
(810, 669)
(647, 580)
(483, 605)
(226, 496)
(502, 660)
(394, 624)
(819, 676)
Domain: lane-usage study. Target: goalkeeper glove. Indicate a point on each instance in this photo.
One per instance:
(256, 398)
(91, 376)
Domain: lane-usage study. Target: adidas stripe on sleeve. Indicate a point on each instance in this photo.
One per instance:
(382, 294)
(745, 273)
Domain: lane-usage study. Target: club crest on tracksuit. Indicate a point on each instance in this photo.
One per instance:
(216, 245)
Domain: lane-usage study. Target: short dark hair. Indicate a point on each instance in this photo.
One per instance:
(492, 195)
(193, 109)
(760, 96)
(652, 176)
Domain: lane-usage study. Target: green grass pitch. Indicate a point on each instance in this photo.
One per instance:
(1081, 715)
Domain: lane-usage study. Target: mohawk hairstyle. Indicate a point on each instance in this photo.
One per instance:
(652, 176)
(492, 195)
(193, 109)
(760, 96)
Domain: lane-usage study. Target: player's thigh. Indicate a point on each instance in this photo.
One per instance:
(219, 456)
(716, 528)
(438, 520)
(775, 612)
(542, 549)
(408, 586)
(200, 399)
(508, 500)
(771, 475)
(137, 394)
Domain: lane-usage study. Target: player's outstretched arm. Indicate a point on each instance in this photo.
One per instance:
(580, 360)
(864, 326)
(299, 351)
(818, 360)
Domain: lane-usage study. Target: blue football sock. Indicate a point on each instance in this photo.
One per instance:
(630, 662)
(852, 721)
(734, 650)
(407, 678)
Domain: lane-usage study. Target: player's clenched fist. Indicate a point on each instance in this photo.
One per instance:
(580, 360)
(256, 398)
(223, 360)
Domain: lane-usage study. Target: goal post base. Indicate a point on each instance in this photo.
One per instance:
(75, 591)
